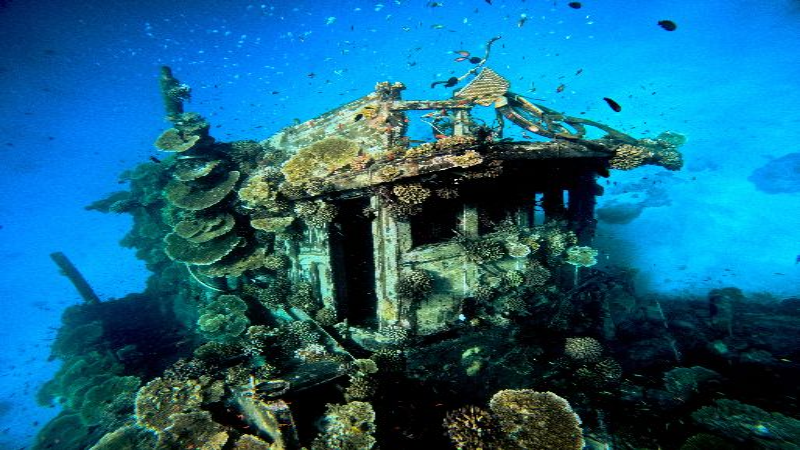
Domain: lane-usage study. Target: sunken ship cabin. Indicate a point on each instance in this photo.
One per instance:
(341, 247)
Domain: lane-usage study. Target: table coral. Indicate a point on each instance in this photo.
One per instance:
(196, 196)
(205, 253)
(536, 420)
(224, 318)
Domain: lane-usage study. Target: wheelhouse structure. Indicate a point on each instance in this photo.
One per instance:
(421, 231)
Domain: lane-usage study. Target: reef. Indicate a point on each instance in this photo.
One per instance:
(334, 286)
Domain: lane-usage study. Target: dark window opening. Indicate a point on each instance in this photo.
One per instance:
(492, 214)
(354, 263)
(438, 222)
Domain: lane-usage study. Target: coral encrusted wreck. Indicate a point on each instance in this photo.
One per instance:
(335, 287)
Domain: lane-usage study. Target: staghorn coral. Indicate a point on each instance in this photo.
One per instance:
(198, 195)
(514, 278)
(316, 213)
(414, 284)
(361, 387)
(347, 427)
(224, 318)
(320, 159)
(173, 140)
(471, 428)
(481, 251)
(205, 253)
(583, 349)
(517, 250)
(536, 420)
(411, 194)
(536, 274)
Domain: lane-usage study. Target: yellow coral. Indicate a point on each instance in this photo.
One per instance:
(629, 157)
(412, 194)
(320, 159)
(537, 420)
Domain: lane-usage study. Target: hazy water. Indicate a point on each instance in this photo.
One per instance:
(80, 104)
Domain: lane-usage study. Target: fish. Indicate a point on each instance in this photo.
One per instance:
(574, 5)
(155, 160)
(434, 4)
(522, 19)
(358, 117)
(614, 105)
(560, 88)
(797, 259)
(488, 1)
(668, 25)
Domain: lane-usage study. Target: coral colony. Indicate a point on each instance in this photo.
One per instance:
(338, 286)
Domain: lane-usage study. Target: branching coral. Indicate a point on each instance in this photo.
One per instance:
(414, 284)
(471, 428)
(316, 213)
(536, 420)
(347, 427)
(583, 349)
(412, 194)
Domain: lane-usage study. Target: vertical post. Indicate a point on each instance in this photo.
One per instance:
(73, 274)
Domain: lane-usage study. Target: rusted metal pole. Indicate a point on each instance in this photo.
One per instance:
(70, 271)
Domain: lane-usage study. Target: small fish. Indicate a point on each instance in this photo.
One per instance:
(797, 259)
(668, 25)
(155, 160)
(437, 26)
(330, 20)
(574, 5)
(434, 4)
(614, 105)
(358, 117)
(560, 88)
(488, 1)
(522, 19)
(311, 75)
(580, 71)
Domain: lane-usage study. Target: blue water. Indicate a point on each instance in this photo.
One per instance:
(80, 104)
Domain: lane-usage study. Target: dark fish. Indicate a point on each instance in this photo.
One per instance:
(488, 1)
(155, 160)
(614, 105)
(560, 88)
(667, 25)
(475, 60)
(358, 117)
(452, 81)
(797, 259)
(580, 71)
(574, 5)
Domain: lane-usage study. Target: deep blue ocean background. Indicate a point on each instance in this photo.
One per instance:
(79, 104)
